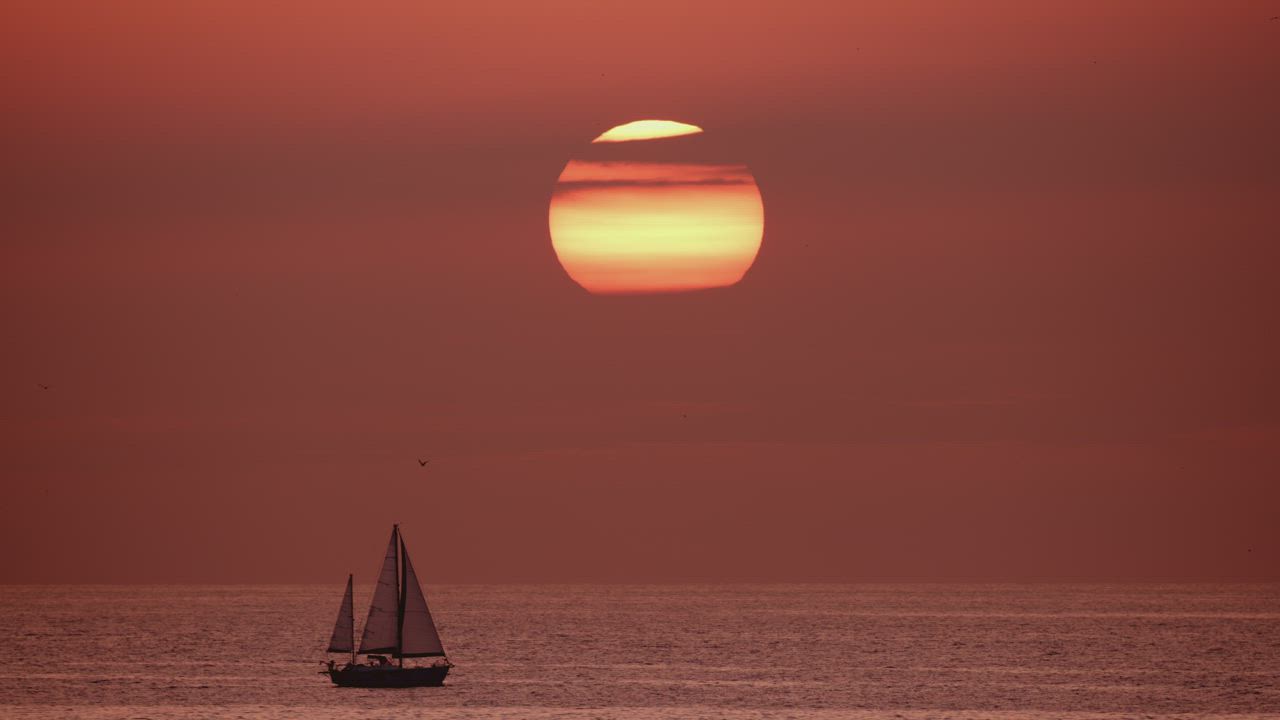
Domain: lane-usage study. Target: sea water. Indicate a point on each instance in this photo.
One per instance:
(659, 651)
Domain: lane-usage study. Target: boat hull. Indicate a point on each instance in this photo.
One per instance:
(389, 677)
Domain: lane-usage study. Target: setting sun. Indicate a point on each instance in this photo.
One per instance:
(656, 216)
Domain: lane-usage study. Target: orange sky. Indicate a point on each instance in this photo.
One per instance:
(1013, 314)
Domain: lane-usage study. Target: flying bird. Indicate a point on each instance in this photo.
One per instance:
(43, 386)
(423, 463)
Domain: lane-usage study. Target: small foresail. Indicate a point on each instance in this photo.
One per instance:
(418, 635)
(344, 629)
(380, 628)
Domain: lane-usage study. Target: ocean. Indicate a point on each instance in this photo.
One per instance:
(907, 651)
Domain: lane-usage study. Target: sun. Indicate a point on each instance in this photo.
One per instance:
(654, 206)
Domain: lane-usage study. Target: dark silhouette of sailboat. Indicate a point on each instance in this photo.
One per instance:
(399, 625)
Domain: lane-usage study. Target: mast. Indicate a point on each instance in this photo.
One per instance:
(402, 583)
(351, 581)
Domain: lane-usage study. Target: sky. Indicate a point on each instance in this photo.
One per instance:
(1013, 316)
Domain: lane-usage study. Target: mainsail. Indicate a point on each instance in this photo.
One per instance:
(418, 636)
(344, 632)
(381, 629)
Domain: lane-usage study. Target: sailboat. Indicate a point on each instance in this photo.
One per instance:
(399, 625)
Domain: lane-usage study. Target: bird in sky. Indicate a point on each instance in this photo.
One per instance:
(423, 463)
(43, 386)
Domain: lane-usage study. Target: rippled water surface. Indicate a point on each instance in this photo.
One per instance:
(765, 651)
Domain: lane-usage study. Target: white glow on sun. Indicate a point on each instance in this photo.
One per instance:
(647, 130)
